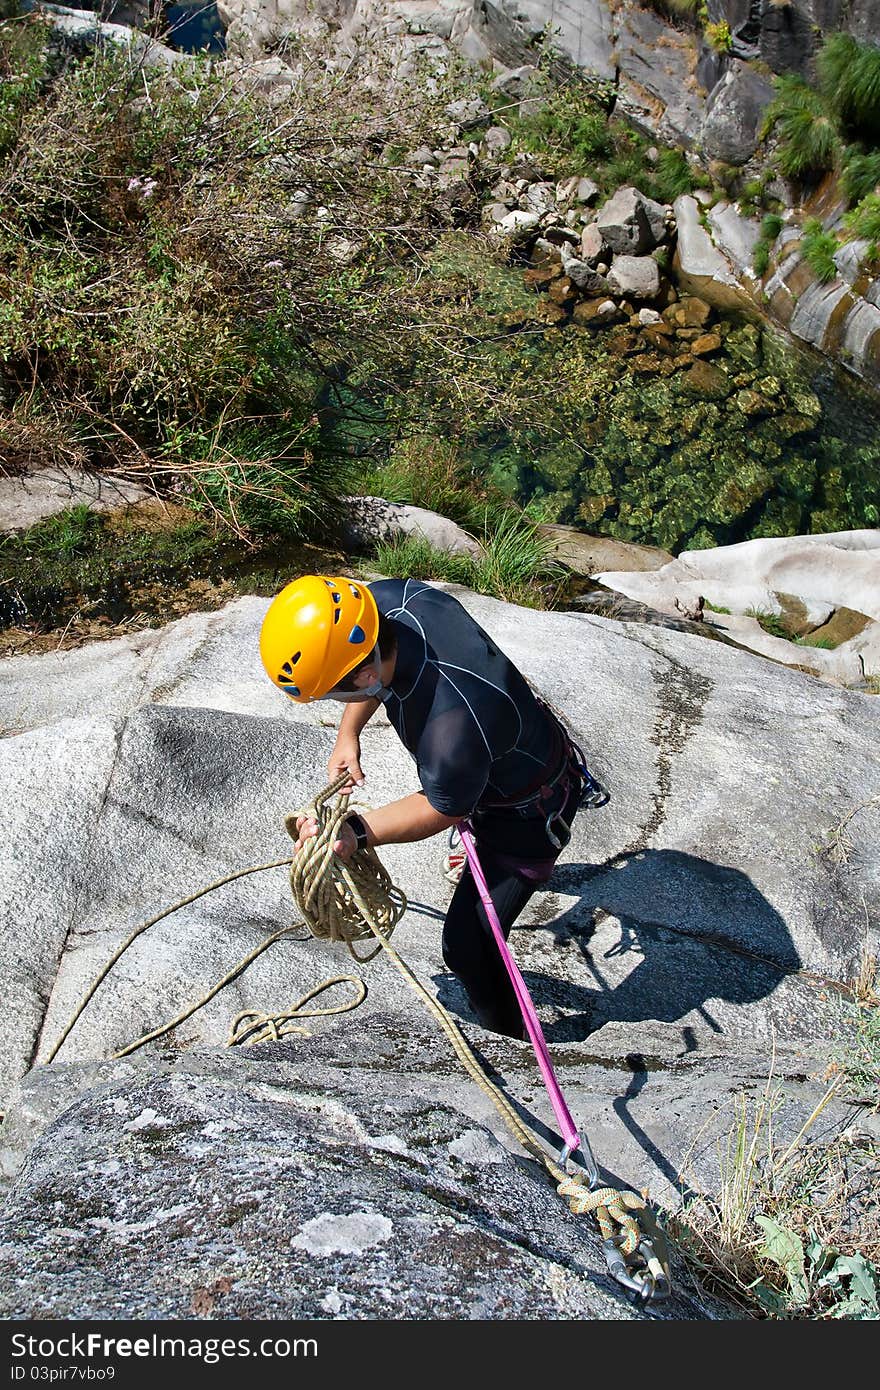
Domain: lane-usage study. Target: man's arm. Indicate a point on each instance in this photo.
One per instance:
(400, 822)
(346, 755)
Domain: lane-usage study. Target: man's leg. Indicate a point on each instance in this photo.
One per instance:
(470, 950)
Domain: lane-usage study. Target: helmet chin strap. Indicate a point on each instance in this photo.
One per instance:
(375, 691)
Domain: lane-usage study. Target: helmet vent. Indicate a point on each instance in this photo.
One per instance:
(337, 598)
(336, 613)
(357, 634)
(355, 591)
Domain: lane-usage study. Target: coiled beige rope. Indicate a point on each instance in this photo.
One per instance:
(341, 902)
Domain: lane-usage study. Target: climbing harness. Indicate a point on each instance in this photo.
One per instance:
(357, 900)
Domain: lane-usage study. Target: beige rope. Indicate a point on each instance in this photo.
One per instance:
(349, 902)
(339, 902)
(349, 896)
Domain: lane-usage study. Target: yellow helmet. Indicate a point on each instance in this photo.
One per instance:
(315, 631)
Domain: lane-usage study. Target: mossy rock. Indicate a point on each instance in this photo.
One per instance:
(705, 379)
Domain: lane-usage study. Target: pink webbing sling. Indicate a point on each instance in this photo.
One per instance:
(572, 1139)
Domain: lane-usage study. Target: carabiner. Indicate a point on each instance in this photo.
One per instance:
(642, 1273)
(587, 1153)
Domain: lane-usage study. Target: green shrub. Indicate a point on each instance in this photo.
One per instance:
(672, 176)
(156, 284)
(864, 223)
(849, 74)
(808, 138)
(719, 37)
(771, 226)
(860, 173)
(24, 70)
(818, 248)
(570, 127)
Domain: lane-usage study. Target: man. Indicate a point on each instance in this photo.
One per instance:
(486, 748)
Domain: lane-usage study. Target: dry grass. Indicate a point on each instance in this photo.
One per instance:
(793, 1231)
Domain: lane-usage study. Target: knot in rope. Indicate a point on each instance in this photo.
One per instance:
(341, 901)
(607, 1204)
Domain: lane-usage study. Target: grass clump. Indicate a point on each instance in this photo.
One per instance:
(771, 226)
(849, 75)
(792, 1230)
(818, 248)
(772, 623)
(860, 173)
(809, 142)
(863, 222)
(516, 564)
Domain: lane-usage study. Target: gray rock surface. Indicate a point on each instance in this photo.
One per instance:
(685, 928)
(702, 268)
(637, 277)
(822, 573)
(631, 223)
(820, 312)
(28, 498)
(736, 236)
(370, 519)
(303, 1180)
(734, 113)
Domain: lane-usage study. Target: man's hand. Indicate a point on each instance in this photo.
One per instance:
(344, 847)
(346, 757)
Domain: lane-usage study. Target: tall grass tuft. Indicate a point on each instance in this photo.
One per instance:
(864, 222)
(849, 74)
(818, 248)
(860, 173)
(808, 140)
(791, 1230)
(516, 564)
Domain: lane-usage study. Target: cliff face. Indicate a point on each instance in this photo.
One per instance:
(687, 929)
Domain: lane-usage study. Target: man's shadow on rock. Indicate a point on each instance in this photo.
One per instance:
(696, 931)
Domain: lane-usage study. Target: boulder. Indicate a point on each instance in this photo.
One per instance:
(497, 139)
(635, 276)
(468, 113)
(371, 519)
(539, 198)
(701, 267)
(734, 113)
(631, 223)
(518, 227)
(28, 498)
(592, 244)
(586, 554)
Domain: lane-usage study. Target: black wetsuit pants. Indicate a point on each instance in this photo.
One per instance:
(517, 857)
